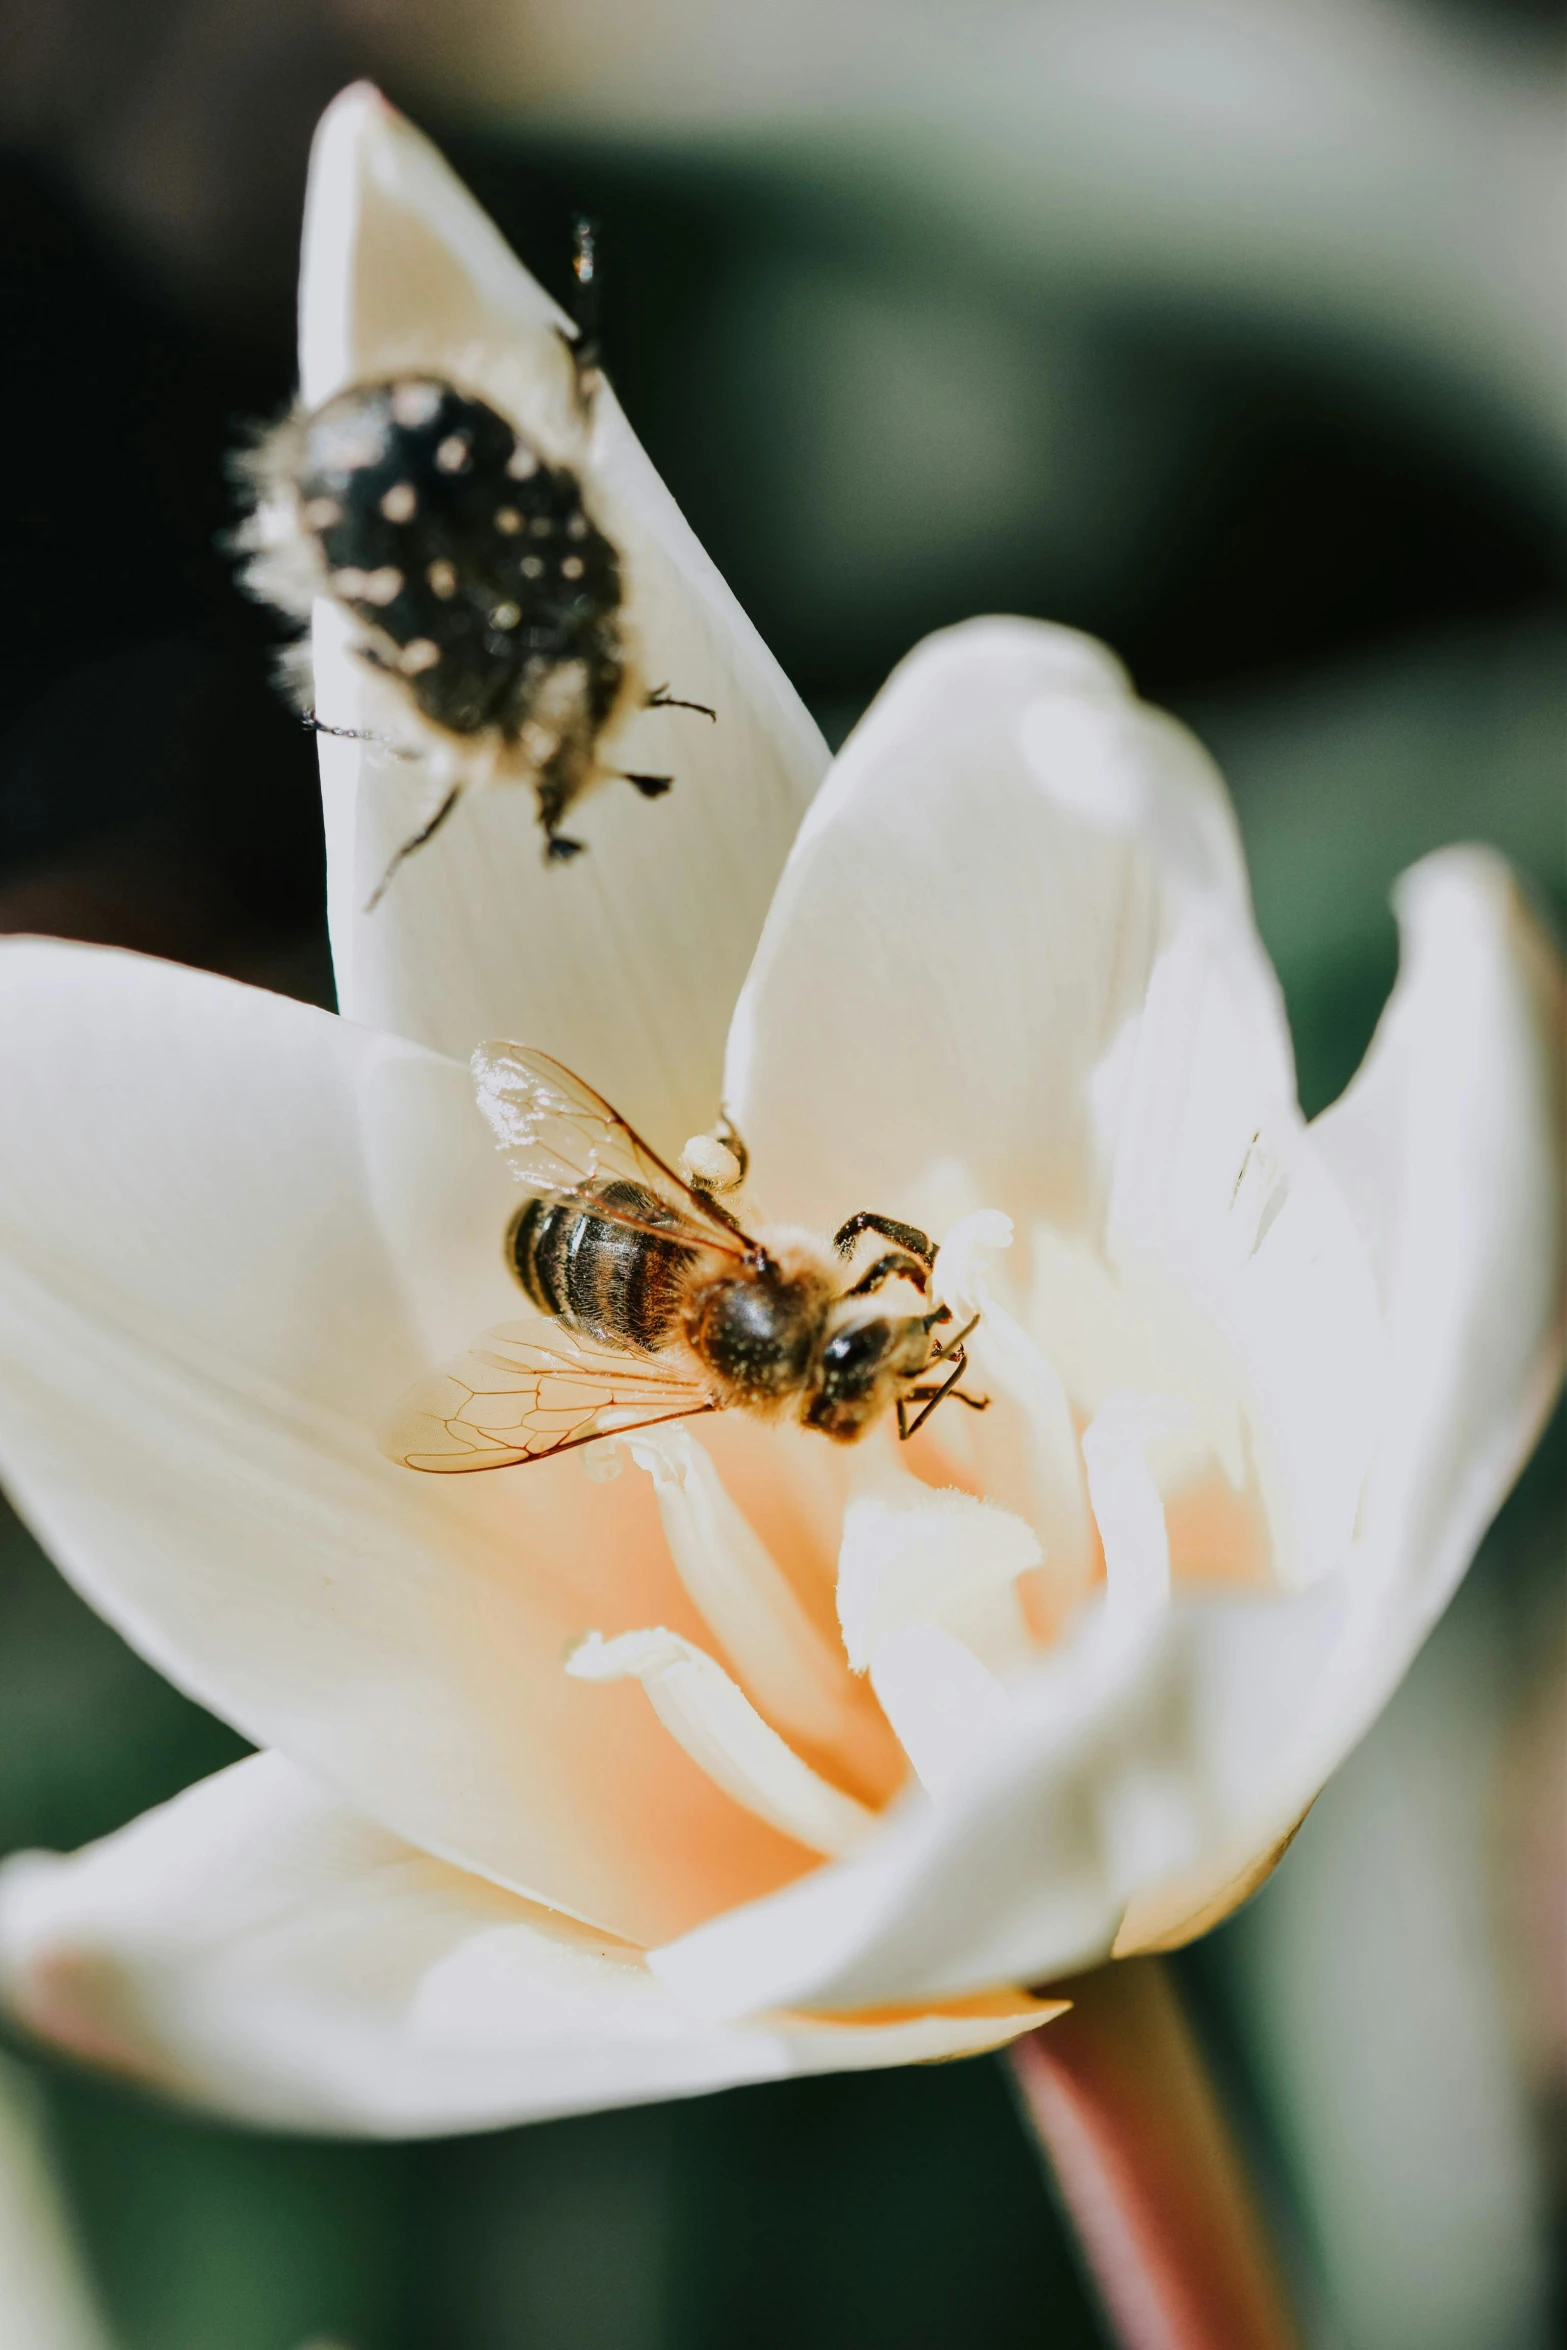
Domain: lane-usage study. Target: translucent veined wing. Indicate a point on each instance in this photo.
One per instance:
(558, 1135)
(511, 1398)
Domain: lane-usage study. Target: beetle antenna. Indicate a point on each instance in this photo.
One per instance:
(586, 350)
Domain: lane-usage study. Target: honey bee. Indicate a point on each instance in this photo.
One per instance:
(481, 586)
(667, 1306)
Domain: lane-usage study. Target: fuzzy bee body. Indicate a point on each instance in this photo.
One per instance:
(665, 1305)
(616, 1284)
(754, 1328)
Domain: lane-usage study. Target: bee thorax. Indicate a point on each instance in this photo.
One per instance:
(759, 1332)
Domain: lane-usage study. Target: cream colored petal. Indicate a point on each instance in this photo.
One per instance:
(1127, 1507)
(1237, 1275)
(1121, 1759)
(743, 1597)
(1216, 1730)
(928, 1601)
(1009, 1365)
(969, 919)
(944, 1704)
(626, 964)
(711, 1719)
(913, 1556)
(1450, 1147)
(255, 1948)
(1091, 1045)
(46, 2302)
(232, 1230)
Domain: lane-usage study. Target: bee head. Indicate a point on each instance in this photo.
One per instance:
(863, 1363)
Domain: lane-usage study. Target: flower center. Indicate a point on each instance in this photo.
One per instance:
(945, 1596)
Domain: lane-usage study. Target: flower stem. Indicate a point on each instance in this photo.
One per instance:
(1118, 2098)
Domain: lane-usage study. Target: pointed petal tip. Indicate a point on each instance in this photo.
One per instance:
(357, 116)
(360, 101)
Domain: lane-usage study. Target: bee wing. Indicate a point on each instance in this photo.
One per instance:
(511, 1399)
(558, 1135)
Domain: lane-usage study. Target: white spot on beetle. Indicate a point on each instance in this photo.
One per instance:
(383, 586)
(414, 404)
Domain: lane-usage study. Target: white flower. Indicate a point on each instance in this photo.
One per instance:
(762, 1755)
(46, 2302)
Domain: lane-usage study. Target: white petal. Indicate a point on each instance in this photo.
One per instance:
(232, 1229)
(46, 2302)
(256, 1948)
(913, 1556)
(944, 1704)
(971, 915)
(1450, 1150)
(1239, 1282)
(626, 964)
(1217, 1729)
(1008, 1363)
(713, 1721)
(1012, 1866)
(1450, 1147)
(1120, 1760)
(748, 1604)
(1094, 1049)
(1127, 1507)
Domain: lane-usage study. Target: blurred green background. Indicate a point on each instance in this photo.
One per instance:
(1226, 332)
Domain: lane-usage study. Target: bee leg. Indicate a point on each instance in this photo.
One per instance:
(558, 850)
(662, 699)
(976, 1403)
(927, 1398)
(426, 832)
(906, 1236)
(725, 1133)
(954, 1345)
(890, 1268)
(652, 787)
